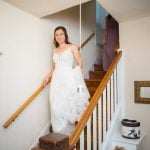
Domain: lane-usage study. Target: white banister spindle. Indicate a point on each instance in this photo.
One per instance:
(108, 103)
(89, 134)
(117, 85)
(94, 130)
(115, 90)
(99, 124)
(112, 97)
(82, 141)
(119, 81)
(104, 113)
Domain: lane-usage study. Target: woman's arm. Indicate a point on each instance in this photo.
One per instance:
(77, 56)
(49, 75)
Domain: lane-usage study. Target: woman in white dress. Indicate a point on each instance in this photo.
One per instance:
(68, 93)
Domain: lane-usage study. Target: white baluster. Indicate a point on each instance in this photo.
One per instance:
(94, 130)
(108, 103)
(82, 141)
(89, 134)
(104, 114)
(115, 89)
(112, 97)
(99, 124)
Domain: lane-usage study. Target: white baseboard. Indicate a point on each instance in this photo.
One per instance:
(42, 133)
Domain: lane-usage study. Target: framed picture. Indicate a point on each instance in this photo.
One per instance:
(142, 92)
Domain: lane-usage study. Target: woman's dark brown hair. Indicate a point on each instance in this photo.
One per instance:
(66, 35)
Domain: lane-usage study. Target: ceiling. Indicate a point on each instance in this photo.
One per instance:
(125, 10)
(42, 8)
(121, 10)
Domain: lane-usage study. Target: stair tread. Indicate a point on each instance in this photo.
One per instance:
(52, 140)
(98, 80)
(98, 67)
(101, 65)
(92, 82)
(53, 136)
(38, 148)
(92, 88)
(98, 71)
(96, 74)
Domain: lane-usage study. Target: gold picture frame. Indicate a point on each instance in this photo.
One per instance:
(137, 92)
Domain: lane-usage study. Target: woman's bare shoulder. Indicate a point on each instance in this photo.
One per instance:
(55, 49)
(73, 47)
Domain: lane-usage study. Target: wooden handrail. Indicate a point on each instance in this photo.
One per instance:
(28, 101)
(93, 102)
(86, 41)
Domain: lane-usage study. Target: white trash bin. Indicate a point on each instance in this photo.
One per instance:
(130, 129)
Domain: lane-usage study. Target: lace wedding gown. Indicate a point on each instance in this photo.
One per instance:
(68, 93)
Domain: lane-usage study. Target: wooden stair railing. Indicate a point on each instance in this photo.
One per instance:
(18, 112)
(74, 137)
(86, 41)
(36, 93)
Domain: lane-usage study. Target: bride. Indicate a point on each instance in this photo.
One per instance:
(68, 93)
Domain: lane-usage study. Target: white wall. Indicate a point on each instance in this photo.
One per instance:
(135, 40)
(90, 52)
(88, 20)
(70, 20)
(25, 42)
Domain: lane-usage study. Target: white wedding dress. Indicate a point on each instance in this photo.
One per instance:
(68, 93)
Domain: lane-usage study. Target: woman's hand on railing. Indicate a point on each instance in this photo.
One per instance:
(48, 76)
(46, 80)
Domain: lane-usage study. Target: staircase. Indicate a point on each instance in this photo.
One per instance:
(95, 77)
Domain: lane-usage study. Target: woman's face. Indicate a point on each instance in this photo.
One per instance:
(60, 36)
